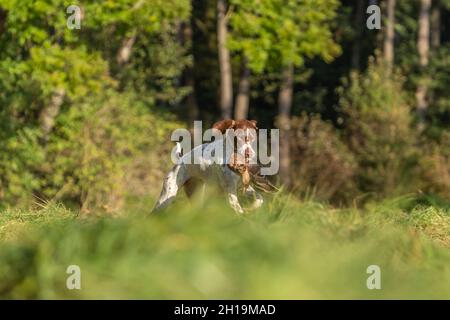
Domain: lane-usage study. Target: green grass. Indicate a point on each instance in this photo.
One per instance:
(288, 249)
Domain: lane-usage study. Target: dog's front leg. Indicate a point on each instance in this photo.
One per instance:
(234, 202)
(258, 198)
(230, 183)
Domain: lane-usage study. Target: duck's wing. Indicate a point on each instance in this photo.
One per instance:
(262, 183)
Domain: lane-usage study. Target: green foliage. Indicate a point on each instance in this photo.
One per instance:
(323, 164)
(75, 71)
(108, 134)
(158, 58)
(434, 165)
(156, 68)
(49, 68)
(32, 23)
(92, 146)
(379, 131)
(20, 157)
(287, 250)
(150, 16)
(272, 33)
(99, 131)
(439, 110)
(434, 76)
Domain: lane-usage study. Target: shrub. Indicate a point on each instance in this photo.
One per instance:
(322, 161)
(94, 145)
(20, 158)
(378, 131)
(435, 167)
(26, 90)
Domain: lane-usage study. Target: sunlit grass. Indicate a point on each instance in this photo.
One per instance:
(288, 249)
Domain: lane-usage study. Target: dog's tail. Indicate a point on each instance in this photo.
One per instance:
(177, 153)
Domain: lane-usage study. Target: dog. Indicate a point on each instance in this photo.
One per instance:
(231, 176)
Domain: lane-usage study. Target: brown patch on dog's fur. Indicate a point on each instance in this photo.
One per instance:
(223, 125)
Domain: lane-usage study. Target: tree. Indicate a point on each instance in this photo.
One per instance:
(358, 25)
(388, 44)
(226, 85)
(55, 80)
(188, 74)
(436, 24)
(284, 113)
(50, 111)
(423, 48)
(124, 52)
(276, 35)
(243, 96)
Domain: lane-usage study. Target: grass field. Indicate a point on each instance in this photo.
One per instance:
(288, 249)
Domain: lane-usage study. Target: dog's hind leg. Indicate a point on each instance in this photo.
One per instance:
(172, 183)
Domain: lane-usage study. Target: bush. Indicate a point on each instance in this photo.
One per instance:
(378, 131)
(26, 90)
(95, 144)
(103, 132)
(435, 167)
(323, 163)
(102, 148)
(20, 158)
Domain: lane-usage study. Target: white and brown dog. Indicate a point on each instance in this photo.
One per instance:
(232, 170)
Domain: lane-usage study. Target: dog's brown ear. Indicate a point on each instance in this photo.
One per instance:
(254, 122)
(223, 125)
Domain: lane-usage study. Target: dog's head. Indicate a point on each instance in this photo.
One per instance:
(223, 125)
(244, 132)
(245, 129)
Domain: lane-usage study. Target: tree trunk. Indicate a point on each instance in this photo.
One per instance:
(49, 113)
(436, 25)
(358, 25)
(388, 51)
(123, 56)
(124, 53)
(188, 75)
(423, 42)
(226, 85)
(423, 47)
(243, 97)
(284, 111)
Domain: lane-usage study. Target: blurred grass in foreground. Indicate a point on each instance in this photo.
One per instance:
(288, 249)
